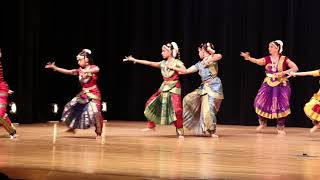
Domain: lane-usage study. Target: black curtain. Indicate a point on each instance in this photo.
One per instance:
(34, 32)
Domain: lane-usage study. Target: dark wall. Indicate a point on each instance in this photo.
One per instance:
(36, 31)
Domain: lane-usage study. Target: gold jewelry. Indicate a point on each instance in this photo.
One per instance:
(274, 64)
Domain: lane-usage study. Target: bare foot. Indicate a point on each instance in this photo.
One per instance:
(71, 130)
(260, 127)
(12, 136)
(148, 129)
(281, 132)
(314, 128)
(98, 137)
(214, 136)
(181, 137)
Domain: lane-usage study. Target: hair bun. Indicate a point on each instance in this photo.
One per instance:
(280, 44)
(88, 51)
(175, 46)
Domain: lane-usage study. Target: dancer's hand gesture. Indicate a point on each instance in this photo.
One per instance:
(10, 91)
(291, 74)
(245, 55)
(129, 58)
(50, 65)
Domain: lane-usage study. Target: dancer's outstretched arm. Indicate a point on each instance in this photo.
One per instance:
(293, 68)
(51, 65)
(306, 73)
(246, 56)
(144, 62)
(95, 69)
(183, 70)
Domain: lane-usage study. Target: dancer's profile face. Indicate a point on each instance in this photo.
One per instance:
(273, 49)
(201, 53)
(165, 53)
(82, 62)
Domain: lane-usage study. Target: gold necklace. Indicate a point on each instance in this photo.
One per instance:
(274, 64)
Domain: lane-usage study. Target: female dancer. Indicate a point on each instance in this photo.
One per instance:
(312, 108)
(272, 100)
(164, 107)
(84, 109)
(4, 92)
(201, 106)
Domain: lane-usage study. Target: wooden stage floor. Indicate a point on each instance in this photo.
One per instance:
(126, 152)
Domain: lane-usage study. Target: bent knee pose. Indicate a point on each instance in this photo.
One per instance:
(273, 98)
(165, 107)
(84, 109)
(201, 106)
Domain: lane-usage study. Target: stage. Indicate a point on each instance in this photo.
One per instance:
(45, 151)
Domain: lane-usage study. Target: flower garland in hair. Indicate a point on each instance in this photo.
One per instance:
(280, 44)
(82, 55)
(88, 51)
(175, 49)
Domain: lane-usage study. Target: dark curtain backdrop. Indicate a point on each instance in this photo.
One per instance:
(34, 32)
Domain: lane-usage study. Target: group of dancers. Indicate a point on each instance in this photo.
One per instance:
(198, 110)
